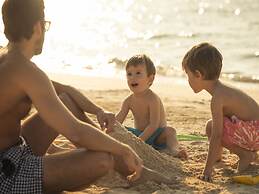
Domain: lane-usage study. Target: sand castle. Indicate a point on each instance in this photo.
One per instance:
(160, 162)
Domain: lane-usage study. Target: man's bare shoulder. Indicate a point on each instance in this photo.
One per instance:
(21, 73)
(14, 62)
(23, 68)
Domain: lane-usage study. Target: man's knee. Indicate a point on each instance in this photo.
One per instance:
(208, 128)
(105, 161)
(71, 105)
(65, 98)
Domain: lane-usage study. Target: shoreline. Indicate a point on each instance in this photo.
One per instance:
(161, 84)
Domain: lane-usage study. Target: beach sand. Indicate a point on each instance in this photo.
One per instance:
(188, 113)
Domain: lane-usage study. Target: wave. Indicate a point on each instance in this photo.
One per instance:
(251, 55)
(241, 77)
(180, 34)
(151, 36)
(161, 36)
(168, 70)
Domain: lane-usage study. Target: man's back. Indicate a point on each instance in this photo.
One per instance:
(14, 105)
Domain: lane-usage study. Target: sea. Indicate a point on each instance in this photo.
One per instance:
(96, 37)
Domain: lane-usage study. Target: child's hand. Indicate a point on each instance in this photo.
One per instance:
(106, 120)
(206, 177)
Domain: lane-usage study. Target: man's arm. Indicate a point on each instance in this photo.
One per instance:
(105, 119)
(121, 115)
(154, 118)
(216, 136)
(57, 116)
(82, 101)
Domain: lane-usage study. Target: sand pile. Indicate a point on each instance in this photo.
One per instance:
(164, 164)
(160, 162)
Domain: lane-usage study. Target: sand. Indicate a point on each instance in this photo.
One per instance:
(188, 113)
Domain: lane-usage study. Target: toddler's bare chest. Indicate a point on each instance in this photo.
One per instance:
(140, 110)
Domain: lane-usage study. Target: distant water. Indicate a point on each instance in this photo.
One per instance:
(95, 37)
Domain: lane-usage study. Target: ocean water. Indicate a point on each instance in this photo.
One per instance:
(89, 37)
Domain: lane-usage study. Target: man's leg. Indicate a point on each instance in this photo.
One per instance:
(69, 170)
(85, 166)
(39, 135)
(74, 170)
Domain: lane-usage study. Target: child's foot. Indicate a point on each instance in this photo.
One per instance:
(182, 154)
(151, 175)
(246, 160)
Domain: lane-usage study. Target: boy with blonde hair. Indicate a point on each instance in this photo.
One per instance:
(147, 107)
(235, 115)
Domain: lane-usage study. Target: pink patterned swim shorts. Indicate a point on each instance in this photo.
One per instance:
(242, 133)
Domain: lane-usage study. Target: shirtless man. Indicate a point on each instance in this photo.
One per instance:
(24, 167)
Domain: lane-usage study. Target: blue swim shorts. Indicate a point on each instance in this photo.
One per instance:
(152, 139)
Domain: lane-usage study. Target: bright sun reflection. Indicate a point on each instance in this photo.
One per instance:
(69, 20)
(86, 23)
(86, 34)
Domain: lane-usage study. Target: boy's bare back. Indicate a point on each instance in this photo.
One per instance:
(235, 103)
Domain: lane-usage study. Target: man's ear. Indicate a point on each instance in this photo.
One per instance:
(37, 29)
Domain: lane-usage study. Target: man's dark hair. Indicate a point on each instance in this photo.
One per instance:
(204, 58)
(19, 17)
(142, 60)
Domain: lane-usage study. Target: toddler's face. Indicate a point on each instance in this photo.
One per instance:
(138, 80)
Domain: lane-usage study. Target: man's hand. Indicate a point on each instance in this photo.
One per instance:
(106, 120)
(133, 162)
